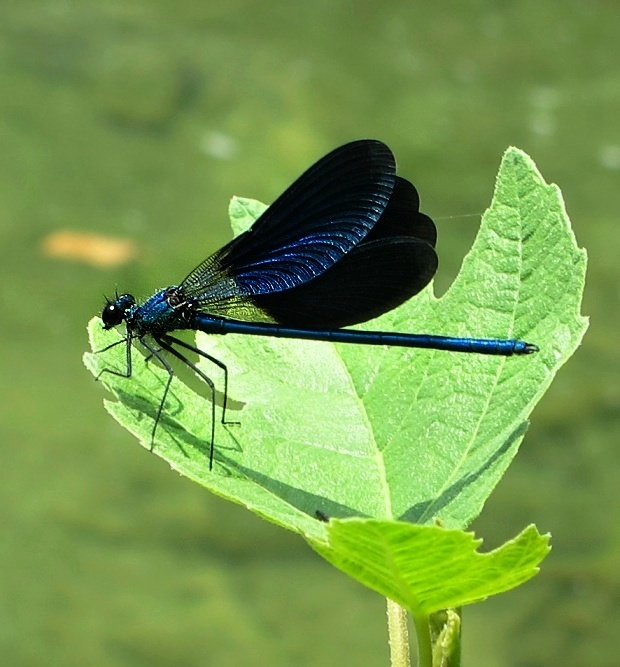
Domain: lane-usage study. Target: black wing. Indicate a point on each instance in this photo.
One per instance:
(328, 211)
(396, 260)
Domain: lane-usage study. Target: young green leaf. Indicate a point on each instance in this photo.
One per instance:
(427, 568)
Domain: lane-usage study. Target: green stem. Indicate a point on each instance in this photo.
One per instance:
(423, 634)
(398, 635)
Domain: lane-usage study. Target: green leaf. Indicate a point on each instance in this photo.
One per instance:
(243, 212)
(389, 433)
(427, 568)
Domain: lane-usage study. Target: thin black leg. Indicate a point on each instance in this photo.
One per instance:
(172, 340)
(127, 373)
(156, 353)
(166, 343)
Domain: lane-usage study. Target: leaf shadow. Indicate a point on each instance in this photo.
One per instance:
(422, 512)
(309, 503)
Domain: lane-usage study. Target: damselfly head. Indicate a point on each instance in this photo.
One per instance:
(114, 312)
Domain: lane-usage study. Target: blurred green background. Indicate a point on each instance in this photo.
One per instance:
(138, 119)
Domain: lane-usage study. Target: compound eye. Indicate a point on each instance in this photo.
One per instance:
(112, 315)
(114, 312)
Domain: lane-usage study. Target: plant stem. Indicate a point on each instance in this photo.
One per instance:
(398, 635)
(423, 635)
